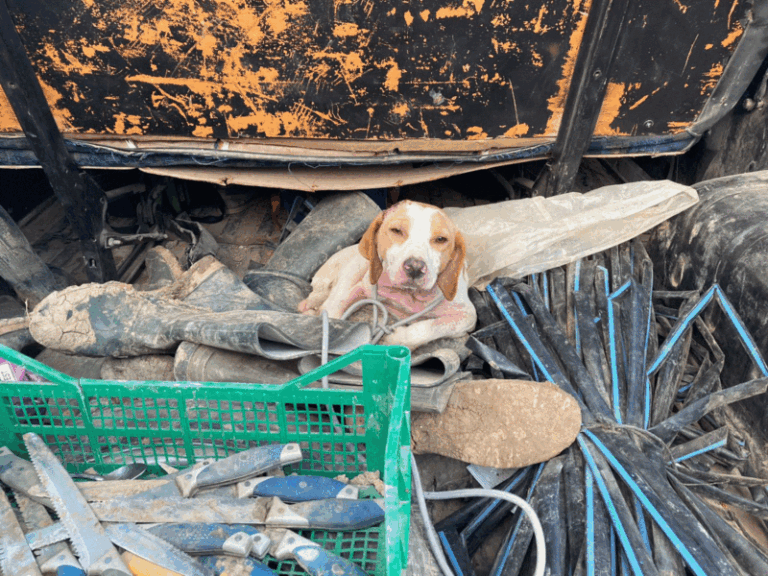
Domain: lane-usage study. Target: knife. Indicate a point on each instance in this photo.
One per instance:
(330, 514)
(57, 558)
(211, 539)
(315, 559)
(139, 542)
(238, 467)
(228, 566)
(94, 549)
(296, 488)
(15, 554)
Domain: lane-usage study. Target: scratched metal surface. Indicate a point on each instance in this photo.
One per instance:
(449, 70)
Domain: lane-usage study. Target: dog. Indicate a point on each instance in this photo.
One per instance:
(413, 253)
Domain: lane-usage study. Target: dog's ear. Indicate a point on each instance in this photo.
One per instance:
(448, 279)
(368, 248)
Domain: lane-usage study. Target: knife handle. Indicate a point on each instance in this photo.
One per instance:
(227, 566)
(69, 571)
(141, 567)
(296, 488)
(330, 514)
(238, 467)
(210, 539)
(315, 559)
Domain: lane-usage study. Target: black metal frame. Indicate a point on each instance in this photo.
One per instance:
(80, 195)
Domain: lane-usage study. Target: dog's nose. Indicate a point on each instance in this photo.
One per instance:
(415, 268)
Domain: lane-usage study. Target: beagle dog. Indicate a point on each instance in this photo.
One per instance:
(413, 253)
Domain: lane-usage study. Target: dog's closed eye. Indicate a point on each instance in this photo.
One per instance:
(396, 231)
(440, 240)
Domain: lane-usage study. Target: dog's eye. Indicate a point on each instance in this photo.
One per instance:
(396, 231)
(441, 240)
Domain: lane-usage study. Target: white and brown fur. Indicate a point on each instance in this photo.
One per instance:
(411, 252)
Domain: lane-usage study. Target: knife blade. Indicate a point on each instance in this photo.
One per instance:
(202, 539)
(93, 548)
(296, 488)
(140, 542)
(55, 558)
(15, 555)
(315, 559)
(238, 467)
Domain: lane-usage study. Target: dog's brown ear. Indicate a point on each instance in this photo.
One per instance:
(369, 249)
(448, 279)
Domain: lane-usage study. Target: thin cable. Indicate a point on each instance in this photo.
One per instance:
(541, 549)
(324, 349)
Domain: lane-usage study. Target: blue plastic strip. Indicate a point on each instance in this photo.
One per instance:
(589, 488)
(614, 563)
(620, 532)
(714, 446)
(612, 349)
(641, 524)
(485, 513)
(545, 288)
(746, 338)
(519, 334)
(519, 520)
(647, 411)
(451, 556)
(673, 538)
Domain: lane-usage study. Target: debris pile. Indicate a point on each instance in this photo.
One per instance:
(663, 477)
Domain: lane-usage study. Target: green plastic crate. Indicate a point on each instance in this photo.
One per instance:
(103, 425)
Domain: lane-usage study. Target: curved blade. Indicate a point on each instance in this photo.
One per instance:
(91, 544)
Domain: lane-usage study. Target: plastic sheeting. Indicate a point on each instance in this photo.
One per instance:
(520, 237)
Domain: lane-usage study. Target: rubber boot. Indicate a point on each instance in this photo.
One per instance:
(21, 267)
(338, 221)
(154, 367)
(211, 285)
(162, 268)
(198, 363)
(113, 319)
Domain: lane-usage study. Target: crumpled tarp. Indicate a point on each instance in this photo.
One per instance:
(520, 237)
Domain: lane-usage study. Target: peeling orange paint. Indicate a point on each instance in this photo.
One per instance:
(711, 77)
(683, 8)
(538, 28)
(346, 29)
(424, 15)
(614, 95)
(476, 133)
(392, 81)
(517, 131)
(636, 104)
(734, 35)
(556, 103)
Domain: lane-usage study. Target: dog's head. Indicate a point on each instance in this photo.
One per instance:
(418, 246)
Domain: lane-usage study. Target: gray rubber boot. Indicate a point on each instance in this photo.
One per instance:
(336, 222)
(198, 363)
(113, 319)
(211, 285)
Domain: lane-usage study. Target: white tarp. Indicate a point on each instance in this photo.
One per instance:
(519, 237)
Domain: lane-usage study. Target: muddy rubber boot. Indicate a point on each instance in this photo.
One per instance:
(211, 285)
(153, 367)
(336, 222)
(163, 269)
(198, 363)
(500, 423)
(21, 267)
(113, 319)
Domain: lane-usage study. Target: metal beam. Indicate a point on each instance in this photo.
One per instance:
(80, 195)
(585, 95)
